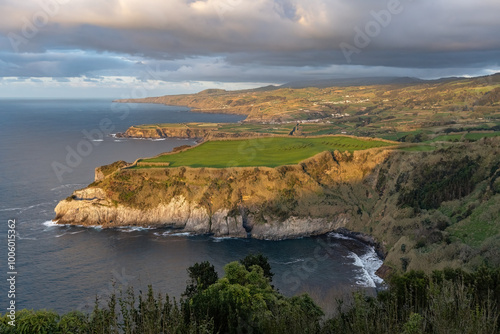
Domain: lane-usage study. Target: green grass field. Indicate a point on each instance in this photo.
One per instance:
(467, 136)
(477, 136)
(269, 151)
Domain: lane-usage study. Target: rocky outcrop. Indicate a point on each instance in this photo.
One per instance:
(90, 207)
(155, 132)
(159, 132)
(98, 174)
(296, 227)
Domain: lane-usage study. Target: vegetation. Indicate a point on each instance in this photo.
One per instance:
(436, 184)
(201, 276)
(448, 301)
(243, 301)
(108, 169)
(268, 151)
(258, 260)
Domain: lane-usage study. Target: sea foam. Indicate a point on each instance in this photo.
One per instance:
(50, 223)
(367, 264)
(172, 234)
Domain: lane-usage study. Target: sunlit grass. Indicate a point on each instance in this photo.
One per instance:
(268, 151)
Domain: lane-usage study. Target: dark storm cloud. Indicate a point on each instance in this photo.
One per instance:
(239, 40)
(395, 58)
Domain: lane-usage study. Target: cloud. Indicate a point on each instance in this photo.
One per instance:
(246, 41)
(178, 28)
(59, 64)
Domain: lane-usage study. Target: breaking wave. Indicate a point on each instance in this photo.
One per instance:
(367, 264)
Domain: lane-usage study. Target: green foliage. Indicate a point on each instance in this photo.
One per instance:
(244, 301)
(479, 225)
(258, 260)
(414, 324)
(73, 323)
(29, 321)
(434, 184)
(201, 276)
(450, 301)
(417, 137)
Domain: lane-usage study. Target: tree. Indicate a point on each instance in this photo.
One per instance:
(243, 301)
(201, 276)
(258, 260)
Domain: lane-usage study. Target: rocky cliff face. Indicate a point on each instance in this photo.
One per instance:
(134, 132)
(91, 207)
(184, 132)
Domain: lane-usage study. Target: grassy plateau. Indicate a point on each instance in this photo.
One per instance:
(268, 151)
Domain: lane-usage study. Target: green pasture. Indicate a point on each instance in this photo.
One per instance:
(268, 151)
(478, 135)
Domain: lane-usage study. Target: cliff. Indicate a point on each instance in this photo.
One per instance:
(91, 206)
(428, 210)
(258, 202)
(188, 130)
(164, 132)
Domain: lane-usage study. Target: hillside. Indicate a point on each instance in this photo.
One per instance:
(369, 110)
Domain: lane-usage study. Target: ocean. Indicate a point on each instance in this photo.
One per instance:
(49, 148)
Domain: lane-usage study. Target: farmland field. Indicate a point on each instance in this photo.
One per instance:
(269, 151)
(477, 136)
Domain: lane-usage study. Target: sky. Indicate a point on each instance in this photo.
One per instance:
(139, 48)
